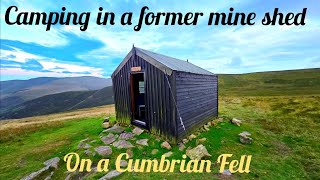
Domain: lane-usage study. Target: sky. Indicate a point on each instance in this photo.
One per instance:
(65, 51)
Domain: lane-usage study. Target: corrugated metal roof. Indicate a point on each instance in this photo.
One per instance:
(175, 64)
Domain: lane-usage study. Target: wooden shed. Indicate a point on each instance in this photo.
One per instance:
(168, 96)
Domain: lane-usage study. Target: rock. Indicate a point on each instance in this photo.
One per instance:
(206, 127)
(88, 152)
(110, 138)
(226, 172)
(82, 143)
(115, 129)
(197, 153)
(123, 163)
(50, 176)
(143, 142)
(126, 135)
(244, 138)
(121, 144)
(110, 175)
(137, 131)
(209, 124)
(154, 151)
(36, 174)
(106, 125)
(106, 119)
(220, 119)
(184, 141)
(103, 150)
(168, 154)
(181, 146)
(166, 145)
(130, 153)
(200, 141)
(87, 146)
(54, 162)
(236, 121)
(192, 136)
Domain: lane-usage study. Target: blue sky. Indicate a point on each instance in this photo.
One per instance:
(65, 51)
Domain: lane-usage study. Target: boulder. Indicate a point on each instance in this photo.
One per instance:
(110, 138)
(143, 142)
(130, 153)
(54, 162)
(122, 144)
(114, 129)
(137, 131)
(197, 153)
(103, 150)
(106, 125)
(200, 141)
(35, 175)
(168, 154)
(123, 163)
(244, 138)
(181, 146)
(236, 121)
(110, 175)
(83, 142)
(192, 136)
(154, 151)
(126, 135)
(166, 145)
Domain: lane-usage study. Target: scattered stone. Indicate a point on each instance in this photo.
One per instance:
(137, 131)
(126, 135)
(192, 136)
(123, 163)
(213, 123)
(110, 175)
(36, 174)
(103, 150)
(226, 172)
(181, 146)
(244, 138)
(82, 143)
(220, 119)
(200, 141)
(166, 145)
(168, 154)
(130, 153)
(54, 162)
(115, 129)
(154, 151)
(50, 176)
(206, 127)
(87, 146)
(106, 119)
(120, 144)
(143, 142)
(88, 152)
(106, 125)
(184, 141)
(197, 153)
(110, 138)
(236, 121)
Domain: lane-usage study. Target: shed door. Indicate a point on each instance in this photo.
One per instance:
(137, 84)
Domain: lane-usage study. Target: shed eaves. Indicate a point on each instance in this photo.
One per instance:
(175, 64)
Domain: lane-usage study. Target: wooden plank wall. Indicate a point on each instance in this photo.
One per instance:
(197, 100)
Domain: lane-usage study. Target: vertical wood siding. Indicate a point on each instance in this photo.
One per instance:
(159, 103)
(197, 100)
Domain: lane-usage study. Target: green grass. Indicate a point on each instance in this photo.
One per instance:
(284, 129)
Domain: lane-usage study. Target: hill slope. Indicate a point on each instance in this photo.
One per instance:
(291, 82)
(18, 91)
(59, 103)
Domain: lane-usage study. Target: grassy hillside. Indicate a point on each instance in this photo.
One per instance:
(59, 103)
(292, 82)
(284, 131)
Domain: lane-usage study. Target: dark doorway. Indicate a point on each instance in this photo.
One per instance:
(138, 99)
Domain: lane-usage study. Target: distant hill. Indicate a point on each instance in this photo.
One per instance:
(60, 102)
(15, 92)
(291, 82)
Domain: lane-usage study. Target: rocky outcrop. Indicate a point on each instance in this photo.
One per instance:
(197, 153)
